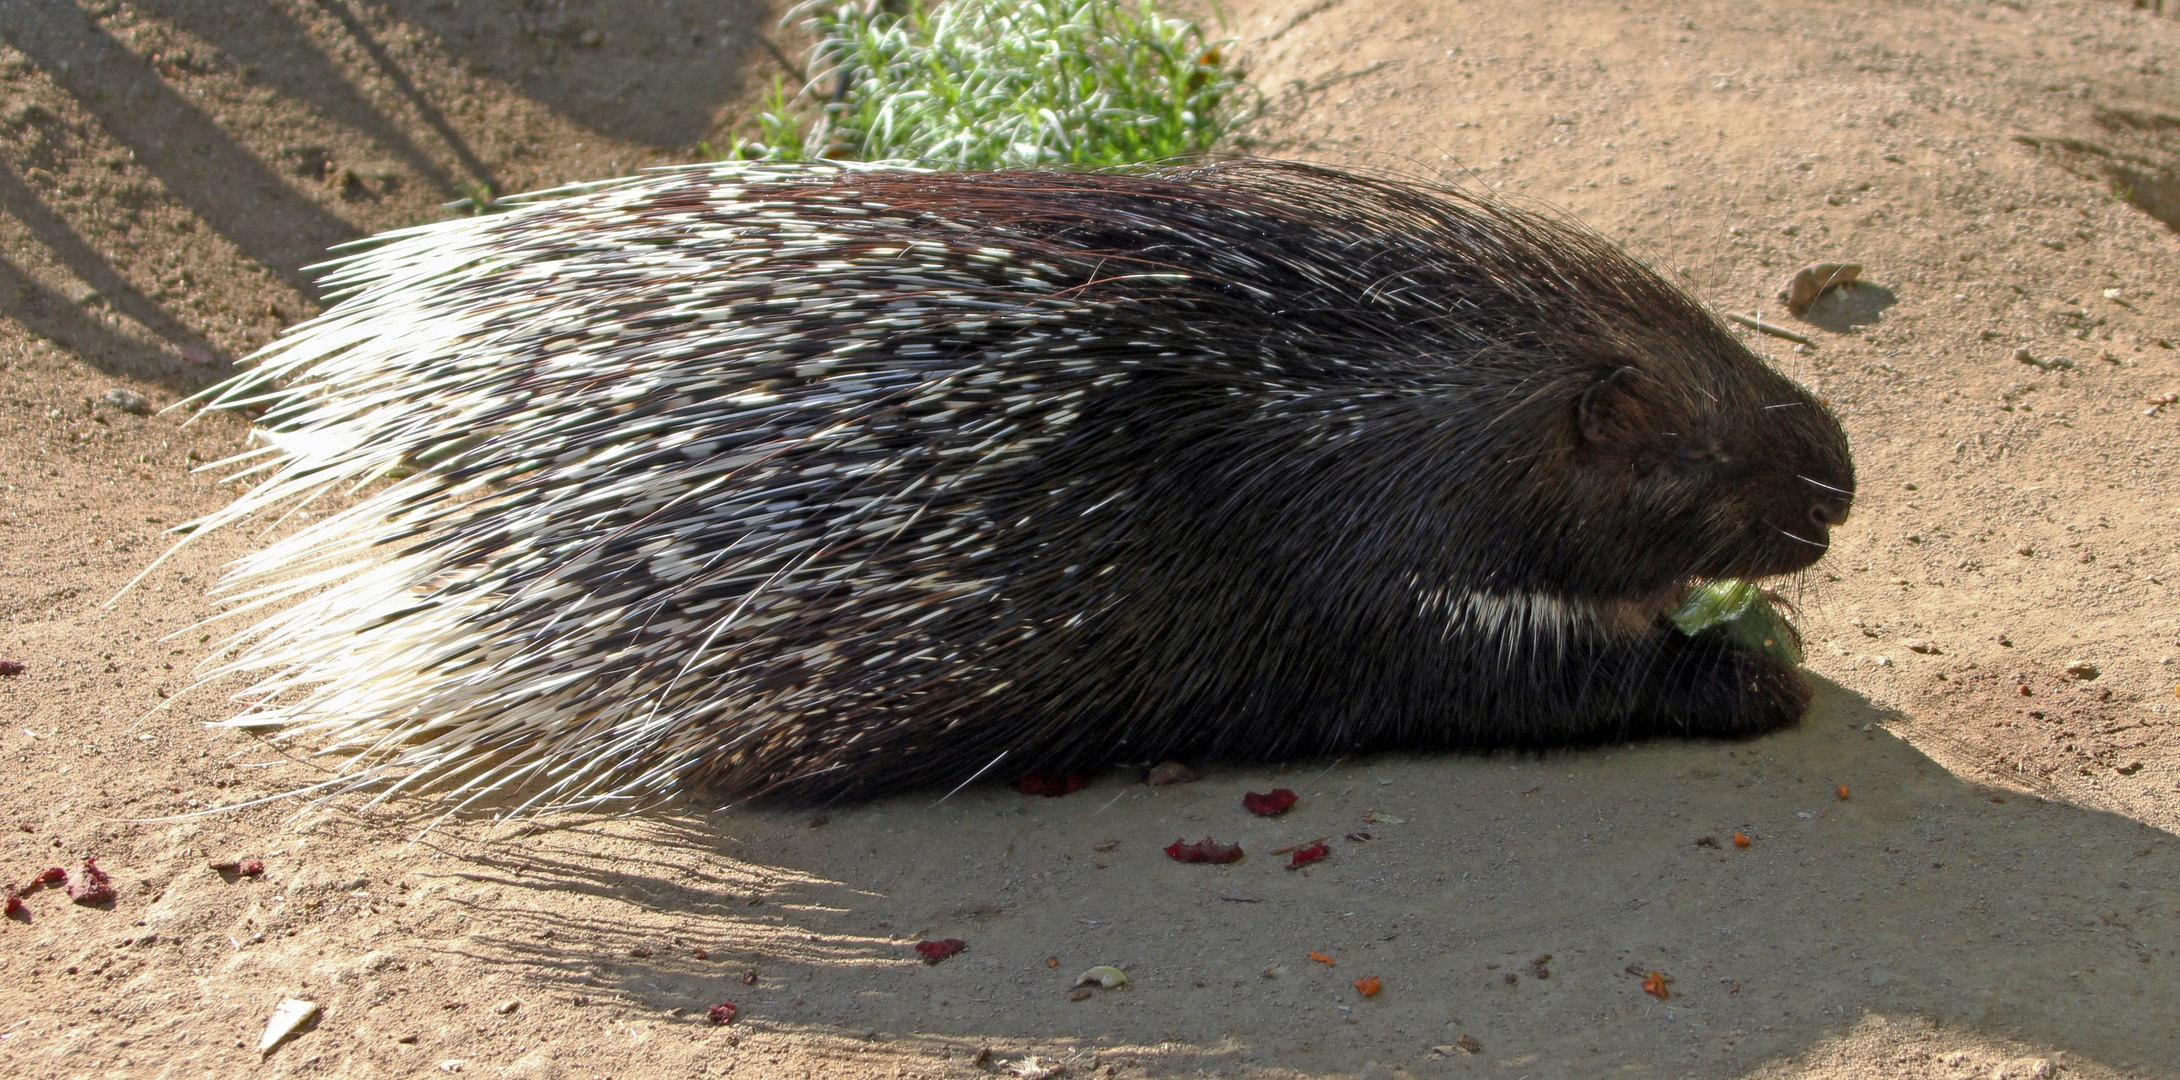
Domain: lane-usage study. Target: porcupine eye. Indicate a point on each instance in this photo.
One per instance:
(1613, 412)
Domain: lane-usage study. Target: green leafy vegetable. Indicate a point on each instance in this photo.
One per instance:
(1740, 611)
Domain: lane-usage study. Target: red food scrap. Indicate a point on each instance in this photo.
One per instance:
(16, 909)
(1271, 803)
(1308, 855)
(1204, 850)
(1740, 839)
(1323, 959)
(722, 1013)
(1843, 793)
(12, 667)
(935, 951)
(93, 887)
(1369, 985)
(1050, 785)
(1654, 985)
(51, 876)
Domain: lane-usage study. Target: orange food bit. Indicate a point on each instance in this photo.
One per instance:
(1655, 985)
(1843, 793)
(1052, 961)
(1323, 959)
(1368, 986)
(1740, 839)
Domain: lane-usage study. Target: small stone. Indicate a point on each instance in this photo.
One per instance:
(1469, 1044)
(128, 401)
(1809, 282)
(1927, 648)
(2025, 1069)
(2081, 669)
(508, 1006)
(1104, 975)
(1170, 772)
(286, 1020)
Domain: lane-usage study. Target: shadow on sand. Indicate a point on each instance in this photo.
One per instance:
(1918, 896)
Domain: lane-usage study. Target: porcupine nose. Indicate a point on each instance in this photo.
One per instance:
(1826, 513)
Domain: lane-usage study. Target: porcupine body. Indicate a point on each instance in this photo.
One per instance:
(803, 483)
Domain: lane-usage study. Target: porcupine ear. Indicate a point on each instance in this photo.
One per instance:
(1615, 411)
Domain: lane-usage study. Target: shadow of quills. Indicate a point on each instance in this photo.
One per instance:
(204, 167)
(1916, 895)
(652, 73)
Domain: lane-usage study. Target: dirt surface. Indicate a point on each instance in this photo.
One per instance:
(1961, 865)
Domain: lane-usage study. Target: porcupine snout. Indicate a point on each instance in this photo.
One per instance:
(1830, 511)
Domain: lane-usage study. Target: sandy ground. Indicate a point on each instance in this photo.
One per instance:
(1996, 633)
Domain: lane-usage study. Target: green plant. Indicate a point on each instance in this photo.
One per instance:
(997, 83)
(477, 198)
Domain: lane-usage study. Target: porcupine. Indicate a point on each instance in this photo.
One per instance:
(809, 483)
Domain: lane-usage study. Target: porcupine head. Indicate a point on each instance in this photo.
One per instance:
(1669, 456)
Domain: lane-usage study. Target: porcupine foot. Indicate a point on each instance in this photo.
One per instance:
(1703, 686)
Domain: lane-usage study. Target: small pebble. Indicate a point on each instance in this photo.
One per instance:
(1170, 772)
(2055, 363)
(128, 401)
(286, 1020)
(508, 1006)
(1809, 282)
(2082, 669)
